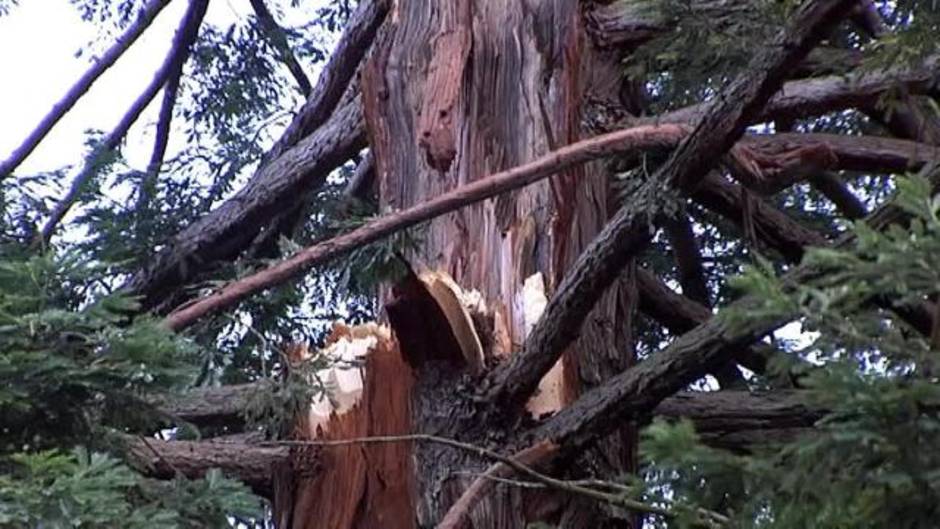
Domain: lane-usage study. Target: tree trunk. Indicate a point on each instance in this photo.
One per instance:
(455, 91)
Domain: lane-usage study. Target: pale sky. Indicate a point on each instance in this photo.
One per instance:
(40, 39)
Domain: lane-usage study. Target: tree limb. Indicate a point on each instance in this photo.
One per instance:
(275, 34)
(277, 187)
(130, 35)
(332, 136)
(249, 463)
(179, 50)
(334, 79)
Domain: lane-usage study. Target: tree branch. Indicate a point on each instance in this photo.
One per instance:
(627, 232)
(688, 261)
(130, 35)
(334, 79)
(275, 34)
(331, 138)
(185, 35)
(250, 463)
(277, 187)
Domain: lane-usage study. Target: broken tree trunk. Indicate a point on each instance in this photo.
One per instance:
(456, 91)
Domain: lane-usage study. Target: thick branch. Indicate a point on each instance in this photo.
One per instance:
(179, 50)
(812, 97)
(251, 464)
(278, 186)
(275, 34)
(334, 79)
(627, 231)
(641, 388)
(130, 35)
(329, 139)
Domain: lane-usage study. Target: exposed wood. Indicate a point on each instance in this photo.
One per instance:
(626, 233)
(249, 463)
(144, 18)
(358, 486)
(437, 133)
(179, 50)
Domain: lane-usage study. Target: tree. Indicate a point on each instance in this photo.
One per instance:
(538, 178)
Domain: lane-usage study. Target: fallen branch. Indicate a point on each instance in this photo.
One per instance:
(130, 35)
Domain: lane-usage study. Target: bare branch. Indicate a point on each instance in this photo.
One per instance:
(130, 35)
(275, 33)
(161, 139)
(179, 50)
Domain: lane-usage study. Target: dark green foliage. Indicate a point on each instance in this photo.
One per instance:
(871, 462)
(82, 489)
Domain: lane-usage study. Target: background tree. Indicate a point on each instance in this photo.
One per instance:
(545, 203)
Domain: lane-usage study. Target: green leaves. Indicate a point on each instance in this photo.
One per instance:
(88, 489)
(871, 462)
